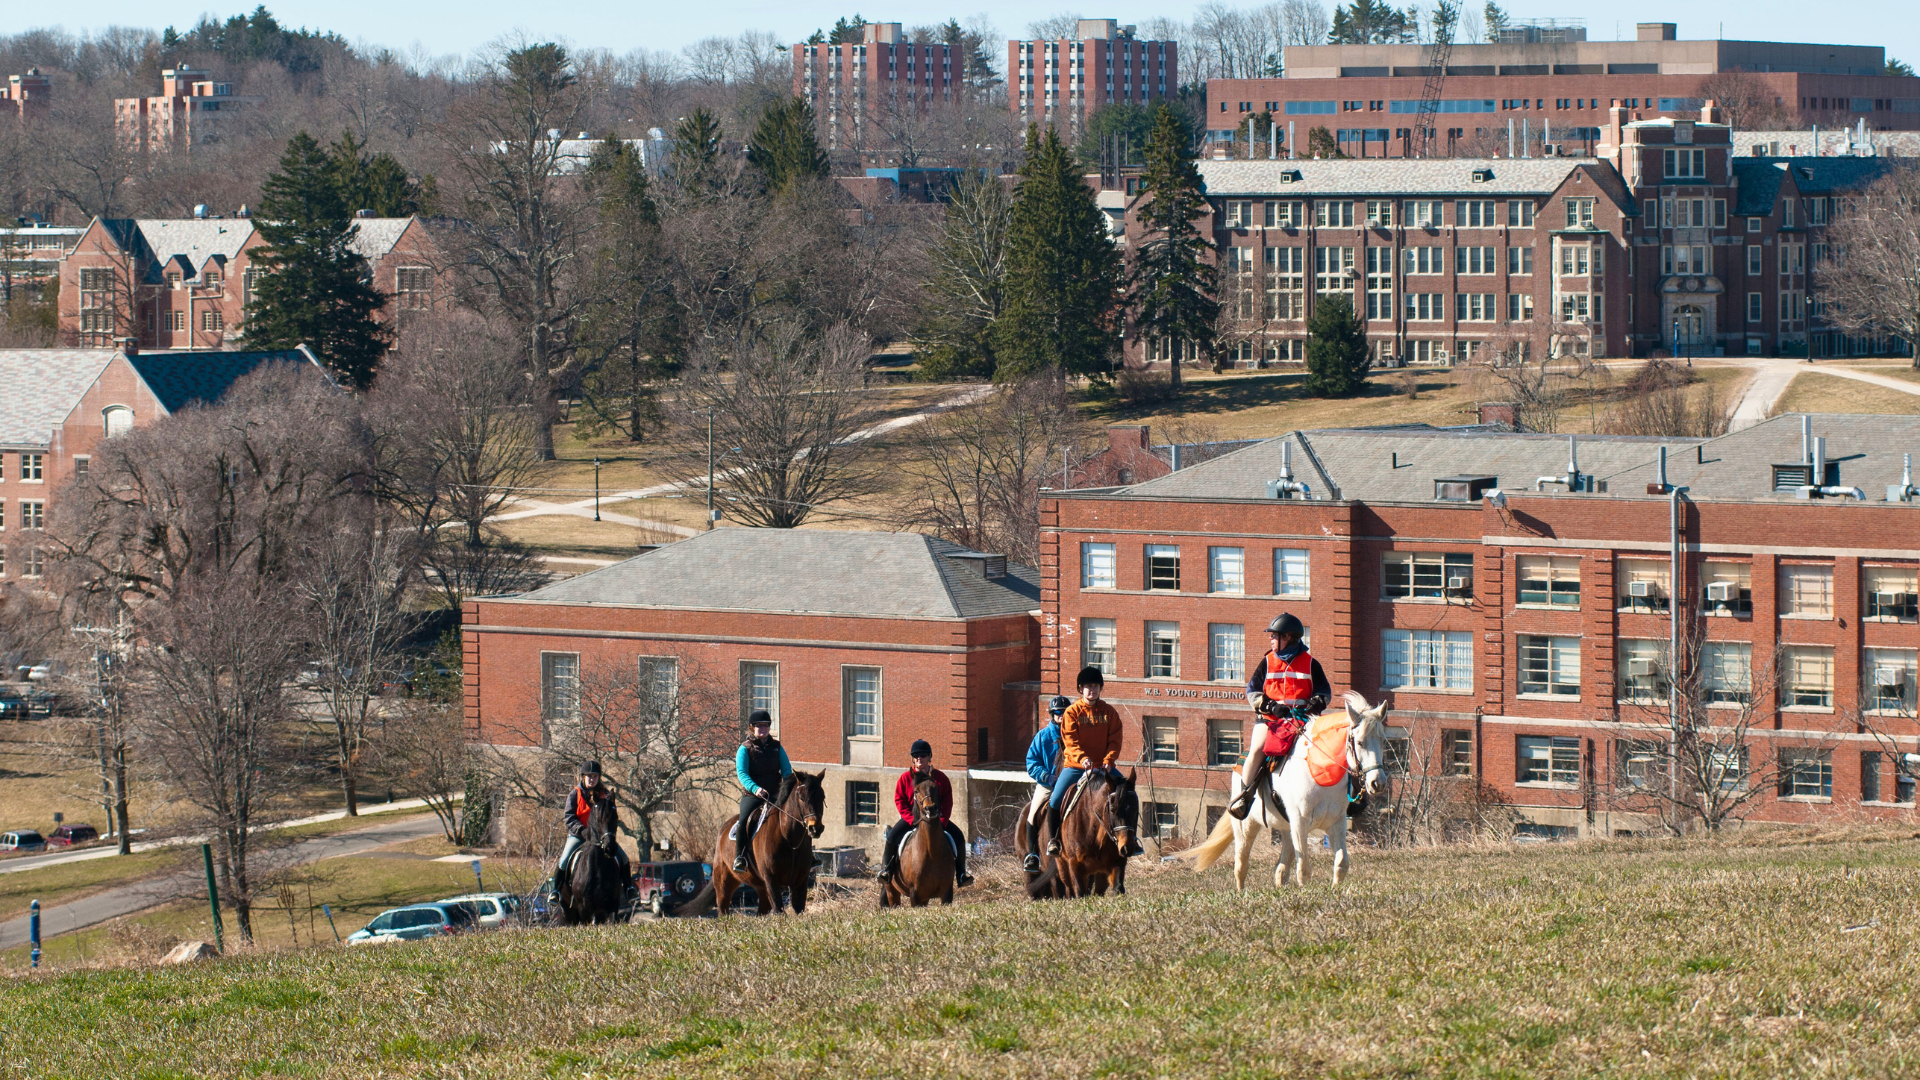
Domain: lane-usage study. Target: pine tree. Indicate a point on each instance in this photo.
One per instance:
(784, 147)
(696, 151)
(628, 332)
(1172, 287)
(1337, 357)
(315, 289)
(1063, 271)
(378, 182)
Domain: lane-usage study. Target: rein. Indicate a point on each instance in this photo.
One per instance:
(1353, 763)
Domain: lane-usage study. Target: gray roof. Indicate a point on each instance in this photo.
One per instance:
(374, 237)
(1867, 448)
(39, 387)
(1390, 176)
(1758, 179)
(808, 571)
(180, 379)
(194, 239)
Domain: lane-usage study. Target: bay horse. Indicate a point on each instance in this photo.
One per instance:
(782, 850)
(594, 892)
(1308, 807)
(1093, 835)
(925, 867)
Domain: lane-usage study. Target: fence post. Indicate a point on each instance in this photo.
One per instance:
(213, 899)
(328, 908)
(479, 886)
(33, 930)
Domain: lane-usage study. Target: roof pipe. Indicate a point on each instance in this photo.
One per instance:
(1287, 487)
(1806, 438)
(1818, 471)
(1906, 491)
(1664, 486)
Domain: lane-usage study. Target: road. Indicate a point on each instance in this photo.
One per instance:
(139, 896)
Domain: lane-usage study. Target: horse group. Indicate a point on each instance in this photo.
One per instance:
(1095, 830)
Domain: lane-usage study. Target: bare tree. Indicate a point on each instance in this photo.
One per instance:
(1659, 399)
(1541, 390)
(1746, 101)
(966, 277)
(424, 748)
(1055, 27)
(1871, 285)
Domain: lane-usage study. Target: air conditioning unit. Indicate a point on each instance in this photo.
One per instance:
(1884, 599)
(1889, 677)
(1640, 666)
(1640, 590)
(1459, 583)
(1721, 592)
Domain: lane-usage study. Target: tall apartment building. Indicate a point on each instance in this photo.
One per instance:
(25, 95)
(1065, 82)
(1369, 95)
(190, 109)
(884, 75)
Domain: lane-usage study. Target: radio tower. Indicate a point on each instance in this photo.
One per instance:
(1445, 15)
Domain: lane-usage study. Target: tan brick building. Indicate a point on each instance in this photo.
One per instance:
(190, 109)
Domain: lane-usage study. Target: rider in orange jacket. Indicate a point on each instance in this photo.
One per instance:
(1286, 684)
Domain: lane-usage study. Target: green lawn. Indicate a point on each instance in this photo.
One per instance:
(1629, 958)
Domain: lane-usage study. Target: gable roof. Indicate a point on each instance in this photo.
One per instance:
(1390, 176)
(42, 387)
(180, 379)
(374, 237)
(1758, 180)
(818, 572)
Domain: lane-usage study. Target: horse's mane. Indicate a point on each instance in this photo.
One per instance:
(785, 790)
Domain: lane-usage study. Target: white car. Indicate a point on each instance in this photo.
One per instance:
(490, 910)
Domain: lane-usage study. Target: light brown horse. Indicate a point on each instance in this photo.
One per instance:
(782, 850)
(1093, 839)
(926, 857)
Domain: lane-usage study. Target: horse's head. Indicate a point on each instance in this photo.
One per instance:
(1120, 807)
(926, 801)
(600, 823)
(1364, 751)
(804, 796)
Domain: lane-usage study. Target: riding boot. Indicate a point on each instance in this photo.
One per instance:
(743, 847)
(1053, 830)
(1032, 861)
(1242, 804)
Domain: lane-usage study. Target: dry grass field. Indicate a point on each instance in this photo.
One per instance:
(1768, 955)
(1816, 393)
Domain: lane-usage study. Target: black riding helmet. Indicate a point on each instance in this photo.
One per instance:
(1059, 704)
(1285, 623)
(1090, 676)
(920, 748)
(591, 768)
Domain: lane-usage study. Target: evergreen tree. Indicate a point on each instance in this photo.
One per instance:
(315, 289)
(696, 151)
(849, 32)
(1322, 144)
(1337, 357)
(628, 333)
(1172, 287)
(378, 182)
(1063, 271)
(784, 147)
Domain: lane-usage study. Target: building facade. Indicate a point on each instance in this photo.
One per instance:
(1513, 609)
(191, 108)
(883, 79)
(1063, 83)
(27, 95)
(30, 254)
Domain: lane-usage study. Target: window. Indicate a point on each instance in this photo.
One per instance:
(861, 701)
(1286, 283)
(1685, 164)
(212, 321)
(1162, 819)
(1643, 585)
(1379, 283)
(80, 466)
(1225, 747)
(33, 467)
(1548, 759)
(1756, 262)
(1427, 659)
(1098, 641)
(1239, 213)
(1520, 214)
(1290, 572)
(1425, 575)
(1574, 307)
(1726, 588)
(1332, 269)
(1163, 567)
(1226, 570)
(1473, 214)
(1474, 307)
(1753, 307)
(1870, 789)
(1163, 650)
(1642, 762)
(1726, 672)
(1226, 652)
(863, 802)
(1892, 593)
(33, 514)
(1396, 757)
(1379, 213)
(1283, 215)
(1519, 260)
(1579, 213)
(559, 687)
(1753, 224)
(1887, 677)
(1456, 753)
(1806, 774)
(1163, 740)
(1425, 260)
(1333, 215)
(175, 321)
(1520, 307)
(1549, 580)
(1641, 666)
(1424, 214)
(1426, 307)
(1806, 590)
(660, 685)
(1809, 677)
(1793, 259)
(1096, 566)
(1550, 665)
(117, 419)
(1473, 259)
(760, 689)
(1573, 260)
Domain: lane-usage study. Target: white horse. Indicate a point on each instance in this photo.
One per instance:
(1310, 808)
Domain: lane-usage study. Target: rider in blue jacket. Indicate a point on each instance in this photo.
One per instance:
(760, 764)
(1043, 764)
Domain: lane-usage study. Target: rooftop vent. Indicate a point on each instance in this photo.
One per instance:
(990, 567)
(1463, 488)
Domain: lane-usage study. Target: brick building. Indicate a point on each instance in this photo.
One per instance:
(184, 283)
(1065, 82)
(30, 253)
(1369, 95)
(882, 76)
(1512, 607)
(857, 643)
(1130, 457)
(26, 95)
(190, 109)
(62, 402)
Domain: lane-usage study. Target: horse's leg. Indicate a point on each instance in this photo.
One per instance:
(1285, 862)
(1337, 839)
(724, 885)
(1244, 833)
(1299, 830)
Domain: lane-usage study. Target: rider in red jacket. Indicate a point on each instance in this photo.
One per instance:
(922, 754)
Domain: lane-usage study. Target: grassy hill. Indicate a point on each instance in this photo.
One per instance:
(1635, 958)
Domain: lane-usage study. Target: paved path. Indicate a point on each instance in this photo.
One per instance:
(139, 896)
(1772, 377)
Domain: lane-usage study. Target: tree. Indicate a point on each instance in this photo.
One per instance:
(1337, 357)
(784, 148)
(1063, 271)
(630, 332)
(377, 182)
(1173, 279)
(1746, 101)
(1872, 283)
(1370, 22)
(1322, 144)
(316, 290)
(966, 287)
(696, 152)
(1899, 68)
(1495, 18)
(1125, 122)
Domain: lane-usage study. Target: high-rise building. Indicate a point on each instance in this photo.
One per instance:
(1068, 80)
(27, 94)
(190, 108)
(884, 75)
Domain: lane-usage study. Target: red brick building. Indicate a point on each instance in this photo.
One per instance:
(1131, 458)
(1513, 609)
(884, 75)
(857, 643)
(190, 109)
(1065, 82)
(27, 95)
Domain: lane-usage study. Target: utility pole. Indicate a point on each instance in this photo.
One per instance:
(709, 468)
(596, 489)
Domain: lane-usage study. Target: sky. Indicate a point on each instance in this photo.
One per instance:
(440, 27)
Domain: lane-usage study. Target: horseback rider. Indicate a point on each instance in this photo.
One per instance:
(1043, 760)
(760, 764)
(578, 808)
(922, 754)
(1090, 739)
(1285, 686)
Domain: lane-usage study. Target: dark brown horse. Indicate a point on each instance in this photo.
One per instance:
(782, 850)
(593, 890)
(926, 856)
(1093, 839)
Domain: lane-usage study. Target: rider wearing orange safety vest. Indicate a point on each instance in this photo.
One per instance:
(1286, 683)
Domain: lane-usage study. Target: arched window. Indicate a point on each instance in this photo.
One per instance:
(118, 418)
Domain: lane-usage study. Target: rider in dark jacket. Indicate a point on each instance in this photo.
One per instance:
(760, 764)
(574, 814)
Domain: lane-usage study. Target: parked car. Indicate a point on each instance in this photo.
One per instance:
(490, 909)
(24, 701)
(69, 835)
(413, 923)
(22, 840)
(664, 886)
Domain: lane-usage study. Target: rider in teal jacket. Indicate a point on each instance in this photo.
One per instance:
(760, 764)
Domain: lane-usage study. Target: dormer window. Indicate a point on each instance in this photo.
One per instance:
(173, 278)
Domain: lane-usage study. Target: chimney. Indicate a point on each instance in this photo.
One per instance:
(1710, 112)
(1656, 31)
(1499, 412)
(363, 213)
(1124, 438)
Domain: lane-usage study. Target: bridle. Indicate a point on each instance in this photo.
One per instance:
(1353, 757)
(811, 822)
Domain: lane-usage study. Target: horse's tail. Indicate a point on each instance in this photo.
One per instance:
(1215, 845)
(1041, 888)
(698, 905)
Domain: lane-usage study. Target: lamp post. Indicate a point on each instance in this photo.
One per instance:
(596, 489)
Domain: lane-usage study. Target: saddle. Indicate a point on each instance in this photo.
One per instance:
(759, 819)
(1073, 797)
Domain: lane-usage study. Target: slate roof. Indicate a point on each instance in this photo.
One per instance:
(1389, 176)
(180, 379)
(1758, 179)
(194, 239)
(1867, 447)
(808, 571)
(374, 237)
(39, 387)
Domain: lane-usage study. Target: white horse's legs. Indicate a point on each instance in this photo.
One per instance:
(1244, 834)
(1285, 861)
(1299, 845)
(1337, 839)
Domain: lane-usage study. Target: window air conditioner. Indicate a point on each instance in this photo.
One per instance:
(1720, 592)
(1889, 677)
(1885, 599)
(1640, 666)
(1640, 589)
(1459, 583)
